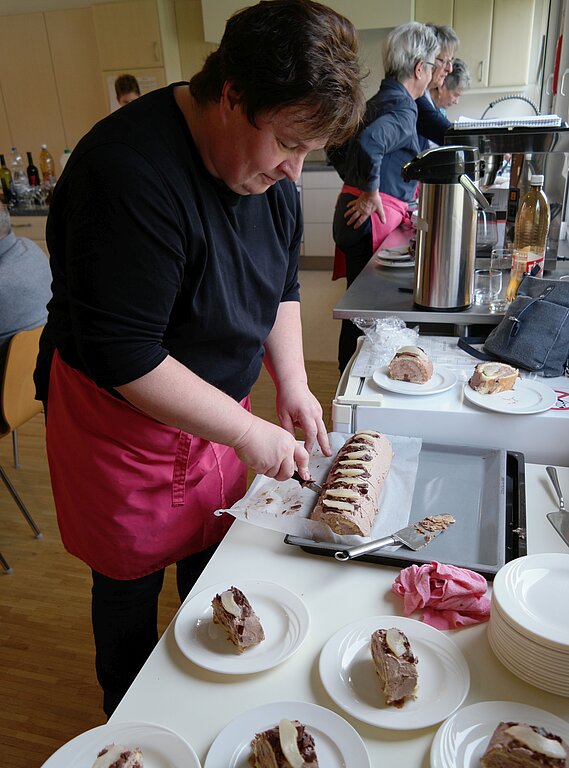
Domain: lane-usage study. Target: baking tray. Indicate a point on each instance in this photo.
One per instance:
(484, 490)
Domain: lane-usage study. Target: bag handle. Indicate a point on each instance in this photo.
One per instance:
(463, 343)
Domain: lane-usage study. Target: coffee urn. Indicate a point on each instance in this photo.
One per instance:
(446, 225)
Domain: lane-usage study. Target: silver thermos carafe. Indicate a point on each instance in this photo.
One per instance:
(446, 226)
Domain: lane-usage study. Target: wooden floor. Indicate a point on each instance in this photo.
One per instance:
(49, 689)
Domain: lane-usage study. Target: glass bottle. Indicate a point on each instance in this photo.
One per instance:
(32, 172)
(19, 175)
(8, 191)
(530, 235)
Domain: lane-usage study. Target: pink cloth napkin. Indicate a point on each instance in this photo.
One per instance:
(452, 597)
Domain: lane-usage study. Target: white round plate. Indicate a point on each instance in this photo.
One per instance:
(394, 252)
(522, 667)
(398, 264)
(527, 396)
(161, 747)
(441, 380)
(462, 739)
(348, 675)
(337, 743)
(528, 590)
(283, 615)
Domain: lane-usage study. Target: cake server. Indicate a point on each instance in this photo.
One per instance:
(410, 536)
(560, 519)
(310, 484)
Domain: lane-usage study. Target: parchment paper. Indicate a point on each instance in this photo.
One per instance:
(285, 506)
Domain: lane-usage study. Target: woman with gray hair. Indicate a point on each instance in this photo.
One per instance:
(373, 201)
(455, 83)
(431, 124)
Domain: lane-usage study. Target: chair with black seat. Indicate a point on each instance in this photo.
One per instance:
(18, 404)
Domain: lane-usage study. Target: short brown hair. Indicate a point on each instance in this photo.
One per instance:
(289, 53)
(126, 84)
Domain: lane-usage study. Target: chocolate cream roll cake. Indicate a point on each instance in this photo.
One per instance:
(234, 613)
(118, 756)
(411, 364)
(395, 664)
(348, 503)
(520, 745)
(288, 745)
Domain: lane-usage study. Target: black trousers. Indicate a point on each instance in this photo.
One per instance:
(357, 246)
(125, 623)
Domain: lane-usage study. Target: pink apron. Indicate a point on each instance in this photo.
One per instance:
(396, 213)
(132, 495)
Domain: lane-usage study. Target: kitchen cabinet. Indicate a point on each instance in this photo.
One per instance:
(496, 40)
(75, 59)
(29, 89)
(473, 24)
(5, 137)
(32, 227)
(434, 11)
(364, 14)
(512, 33)
(193, 48)
(319, 191)
(137, 34)
(496, 37)
(374, 14)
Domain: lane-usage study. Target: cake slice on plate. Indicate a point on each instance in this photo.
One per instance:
(119, 756)
(521, 745)
(395, 664)
(287, 745)
(234, 613)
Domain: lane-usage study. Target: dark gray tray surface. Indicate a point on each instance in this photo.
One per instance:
(471, 484)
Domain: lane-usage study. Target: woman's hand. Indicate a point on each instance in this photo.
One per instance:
(359, 210)
(298, 408)
(272, 451)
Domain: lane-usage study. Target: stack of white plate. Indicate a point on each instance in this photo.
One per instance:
(529, 621)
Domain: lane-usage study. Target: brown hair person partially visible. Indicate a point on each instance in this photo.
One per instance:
(320, 80)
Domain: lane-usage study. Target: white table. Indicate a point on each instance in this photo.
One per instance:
(173, 692)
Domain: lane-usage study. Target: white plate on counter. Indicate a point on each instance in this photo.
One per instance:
(396, 263)
(349, 677)
(283, 615)
(527, 591)
(441, 380)
(463, 738)
(161, 747)
(527, 396)
(337, 744)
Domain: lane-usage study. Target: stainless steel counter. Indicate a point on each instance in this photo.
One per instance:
(383, 291)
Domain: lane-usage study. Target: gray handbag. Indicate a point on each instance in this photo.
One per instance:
(534, 333)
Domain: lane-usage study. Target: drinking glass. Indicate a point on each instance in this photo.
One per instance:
(486, 230)
(501, 259)
(487, 285)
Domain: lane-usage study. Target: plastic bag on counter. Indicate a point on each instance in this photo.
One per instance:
(383, 336)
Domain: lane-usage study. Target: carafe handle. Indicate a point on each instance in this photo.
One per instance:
(473, 190)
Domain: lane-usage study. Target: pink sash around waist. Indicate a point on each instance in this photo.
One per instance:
(132, 495)
(396, 214)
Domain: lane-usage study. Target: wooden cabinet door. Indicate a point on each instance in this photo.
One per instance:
(128, 35)
(512, 31)
(374, 14)
(75, 59)
(193, 48)
(28, 85)
(473, 25)
(434, 11)
(5, 135)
